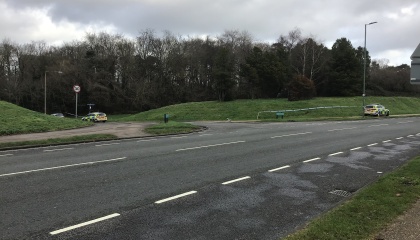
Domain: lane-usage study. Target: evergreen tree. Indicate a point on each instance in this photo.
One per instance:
(346, 71)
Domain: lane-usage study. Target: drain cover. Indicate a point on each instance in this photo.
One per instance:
(341, 193)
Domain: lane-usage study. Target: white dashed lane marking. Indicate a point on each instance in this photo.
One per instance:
(85, 224)
(175, 197)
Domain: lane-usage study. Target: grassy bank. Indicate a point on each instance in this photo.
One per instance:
(249, 109)
(370, 210)
(18, 120)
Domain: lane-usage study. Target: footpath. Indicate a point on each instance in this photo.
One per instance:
(405, 227)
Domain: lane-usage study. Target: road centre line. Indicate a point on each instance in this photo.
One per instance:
(311, 160)
(236, 180)
(404, 122)
(6, 155)
(179, 137)
(333, 154)
(147, 140)
(175, 197)
(60, 149)
(106, 144)
(280, 168)
(399, 138)
(294, 134)
(373, 144)
(386, 141)
(379, 125)
(356, 148)
(64, 166)
(341, 129)
(214, 145)
(85, 224)
(410, 136)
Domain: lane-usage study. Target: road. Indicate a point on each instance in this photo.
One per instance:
(233, 181)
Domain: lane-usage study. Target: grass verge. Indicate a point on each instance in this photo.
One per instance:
(55, 141)
(171, 128)
(370, 210)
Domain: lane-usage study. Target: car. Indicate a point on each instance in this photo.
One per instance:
(95, 117)
(376, 109)
(57, 115)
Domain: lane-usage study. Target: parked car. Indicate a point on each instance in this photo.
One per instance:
(95, 117)
(376, 110)
(57, 115)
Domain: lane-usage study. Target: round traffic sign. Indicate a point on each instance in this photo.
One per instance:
(76, 88)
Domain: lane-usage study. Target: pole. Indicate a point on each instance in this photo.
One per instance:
(76, 104)
(364, 72)
(364, 68)
(45, 92)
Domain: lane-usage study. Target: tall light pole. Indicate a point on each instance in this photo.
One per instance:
(45, 89)
(364, 65)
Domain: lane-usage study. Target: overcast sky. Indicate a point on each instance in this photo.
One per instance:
(394, 37)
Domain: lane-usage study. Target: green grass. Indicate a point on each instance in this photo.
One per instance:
(171, 128)
(17, 120)
(370, 210)
(56, 141)
(248, 109)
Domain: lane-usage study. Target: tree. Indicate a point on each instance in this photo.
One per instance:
(345, 78)
(301, 88)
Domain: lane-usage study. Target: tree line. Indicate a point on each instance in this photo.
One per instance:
(122, 75)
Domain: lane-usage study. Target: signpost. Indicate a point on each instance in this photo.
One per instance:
(76, 89)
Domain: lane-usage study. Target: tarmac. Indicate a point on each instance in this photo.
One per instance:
(405, 227)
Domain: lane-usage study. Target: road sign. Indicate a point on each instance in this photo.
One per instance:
(76, 88)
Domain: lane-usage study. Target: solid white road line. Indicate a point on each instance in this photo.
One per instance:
(6, 155)
(236, 180)
(214, 145)
(373, 144)
(64, 166)
(311, 160)
(178, 137)
(378, 125)
(333, 154)
(106, 144)
(60, 149)
(356, 148)
(147, 140)
(280, 168)
(341, 129)
(85, 224)
(175, 197)
(405, 122)
(294, 134)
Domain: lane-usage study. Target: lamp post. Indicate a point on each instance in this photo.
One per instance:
(364, 65)
(45, 89)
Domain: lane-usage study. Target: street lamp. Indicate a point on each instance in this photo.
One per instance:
(45, 89)
(364, 66)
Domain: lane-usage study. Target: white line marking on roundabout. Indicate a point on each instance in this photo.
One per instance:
(280, 168)
(85, 224)
(175, 197)
(64, 166)
(311, 160)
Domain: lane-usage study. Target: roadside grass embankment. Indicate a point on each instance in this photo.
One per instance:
(372, 208)
(241, 110)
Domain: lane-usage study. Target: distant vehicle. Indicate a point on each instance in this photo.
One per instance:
(57, 115)
(95, 117)
(375, 110)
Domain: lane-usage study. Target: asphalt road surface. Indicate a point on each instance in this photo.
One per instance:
(233, 181)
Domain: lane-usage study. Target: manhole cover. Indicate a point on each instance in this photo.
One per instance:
(341, 193)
